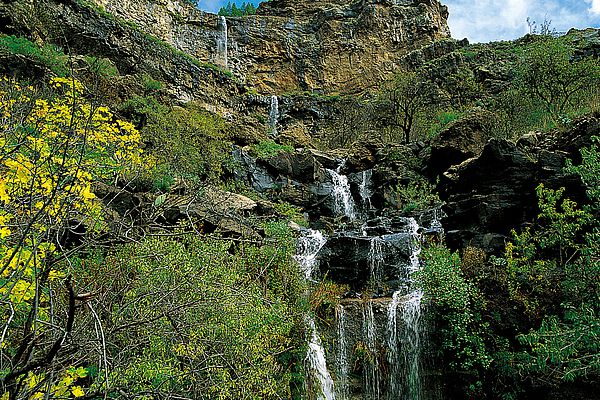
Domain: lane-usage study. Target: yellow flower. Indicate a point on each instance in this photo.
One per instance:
(77, 391)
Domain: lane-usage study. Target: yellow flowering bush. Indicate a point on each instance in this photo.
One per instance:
(54, 145)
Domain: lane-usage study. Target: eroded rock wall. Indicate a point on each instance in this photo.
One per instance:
(345, 46)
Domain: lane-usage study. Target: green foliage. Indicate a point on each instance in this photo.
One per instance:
(517, 113)
(268, 148)
(325, 297)
(549, 75)
(442, 120)
(232, 10)
(184, 141)
(55, 60)
(190, 317)
(418, 195)
(457, 303)
(291, 213)
(102, 67)
(564, 349)
(403, 101)
(150, 85)
(558, 262)
(462, 89)
(533, 279)
(55, 147)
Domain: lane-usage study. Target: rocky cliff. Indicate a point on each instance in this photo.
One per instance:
(345, 46)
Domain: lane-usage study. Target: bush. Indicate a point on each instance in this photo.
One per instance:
(47, 55)
(418, 195)
(186, 142)
(457, 304)
(55, 146)
(268, 149)
(199, 317)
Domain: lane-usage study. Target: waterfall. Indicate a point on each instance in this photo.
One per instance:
(342, 196)
(365, 188)
(222, 42)
(342, 362)
(315, 359)
(393, 353)
(404, 350)
(376, 259)
(309, 245)
(274, 115)
(371, 361)
(411, 314)
(319, 380)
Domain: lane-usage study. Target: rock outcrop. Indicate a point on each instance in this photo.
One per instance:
(494, 192)
(343, 46)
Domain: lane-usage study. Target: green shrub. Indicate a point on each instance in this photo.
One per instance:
(268, 149)
(442, 120)
(177, 309)
(190, 141)
(54, 59)
(418, 195)
(458, 304)
(101, 66)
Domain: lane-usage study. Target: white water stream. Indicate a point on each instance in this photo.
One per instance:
(342, 196)
(315, 359)
(222, 42)
(274, 115)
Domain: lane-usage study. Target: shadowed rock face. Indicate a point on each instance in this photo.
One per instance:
(332, 46)
(494, 192)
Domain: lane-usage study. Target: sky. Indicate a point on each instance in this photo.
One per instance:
(492, 20)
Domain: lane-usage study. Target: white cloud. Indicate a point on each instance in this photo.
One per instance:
(594, 6)
(488, 20)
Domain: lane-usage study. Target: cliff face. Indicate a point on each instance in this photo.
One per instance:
(317, 45)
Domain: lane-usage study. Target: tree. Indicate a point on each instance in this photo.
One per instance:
(402, 100)
(55, 144)
(550, 75)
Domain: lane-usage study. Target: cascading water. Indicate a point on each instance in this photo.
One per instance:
(319, 382)
(391, 330)
(222, 42)
(404, 349)
(380, 322)
(371, 362)
(411, 374)
(317, 365)
(376, 259)
(342, 361)
(365, 188)
(342, 196)
(309, 245)
(274, 115)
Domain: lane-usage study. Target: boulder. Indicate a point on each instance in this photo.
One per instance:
(494, 192)
(461, 140)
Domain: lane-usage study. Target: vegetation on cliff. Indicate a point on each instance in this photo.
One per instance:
(117, 279)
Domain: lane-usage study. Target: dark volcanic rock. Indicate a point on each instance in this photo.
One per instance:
(462, 140)
(491, 194)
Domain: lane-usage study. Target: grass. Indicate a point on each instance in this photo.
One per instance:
(48, 55)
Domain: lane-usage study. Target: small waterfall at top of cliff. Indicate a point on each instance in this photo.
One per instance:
(222, 42)
(274, 115)
(342, 196)
(309, 245)
(317, 366)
